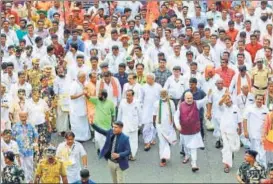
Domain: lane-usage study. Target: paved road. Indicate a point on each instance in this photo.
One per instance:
(146, 168)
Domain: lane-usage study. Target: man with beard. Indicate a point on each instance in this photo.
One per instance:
(61, 90)
(187, 121)
(164, 110)
(104, 115)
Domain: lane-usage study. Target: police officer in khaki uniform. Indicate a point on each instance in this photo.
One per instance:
(50, 169)
(259, 77)
(34, 75)
(47, 71)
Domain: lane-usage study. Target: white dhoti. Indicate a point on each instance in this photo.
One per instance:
(216, 124)
(100, 140)
(256, 144)
(133, 140)
(27, 166)
(62, 120)
(231, 143)
(73, 174)
(80, 127)
(166, 138)
(148, 133)
(191, 143)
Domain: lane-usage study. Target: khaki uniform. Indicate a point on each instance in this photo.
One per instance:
(50, 172)
(34, 77)
(260, 80)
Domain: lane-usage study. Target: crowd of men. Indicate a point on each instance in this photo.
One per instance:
(115, 72)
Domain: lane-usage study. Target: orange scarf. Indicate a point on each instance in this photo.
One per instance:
(114, 85)
(209, 69)
(239, 83)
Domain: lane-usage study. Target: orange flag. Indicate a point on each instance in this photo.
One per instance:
(152, 13)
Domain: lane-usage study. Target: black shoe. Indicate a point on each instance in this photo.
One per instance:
(241, 144)
(218, 144)
(202, 148)
(98, 152)
(182, 153)
(232, 156)
(194, 169)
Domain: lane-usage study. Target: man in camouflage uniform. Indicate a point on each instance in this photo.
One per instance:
(47, 71)
(34, 74)
(251, 171)
(11, 172)
(47, 93)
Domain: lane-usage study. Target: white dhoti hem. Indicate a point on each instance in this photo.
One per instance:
(256, 144)
(80, 127)
(62, 120)
(192, 141)
(133, 140)
(216, 124)
(73, 174)
(148, 133)
(231, 143)
(27, 164)
(100, 140)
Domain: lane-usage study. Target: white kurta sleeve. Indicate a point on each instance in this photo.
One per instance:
(201, 103)
(81, 150)
(119, 117)
(246, 113)
(177, 119)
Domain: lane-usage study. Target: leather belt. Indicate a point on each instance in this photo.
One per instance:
(260, 88)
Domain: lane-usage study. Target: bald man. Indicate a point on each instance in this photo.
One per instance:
(213, 111)
(26, 137)
(187, 121)
(78, 111)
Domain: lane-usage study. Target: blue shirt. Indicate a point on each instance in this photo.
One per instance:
(24, 135)
(21, 33)
(51, 12)
(79, 43)
(122, 79)
(80, 182)
(197, 20)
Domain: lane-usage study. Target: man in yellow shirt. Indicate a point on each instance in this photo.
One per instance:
(50, 169)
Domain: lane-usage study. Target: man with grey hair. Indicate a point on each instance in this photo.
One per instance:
(213, 109)
(187, 121)
(150, 93)
(164, 110)
(78, 113)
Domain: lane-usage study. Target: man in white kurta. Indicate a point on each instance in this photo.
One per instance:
(61, 88)
(230, 126)
(133, 85)
(78, 112)
(73, 156)
(253, 119)
(164, 110)
(213, 112)
(129, 113)
(150, 93)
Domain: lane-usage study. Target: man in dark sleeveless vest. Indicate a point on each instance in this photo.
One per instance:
(187, 121)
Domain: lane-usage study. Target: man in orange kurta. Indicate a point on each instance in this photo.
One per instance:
(91, 90)
(268, 145)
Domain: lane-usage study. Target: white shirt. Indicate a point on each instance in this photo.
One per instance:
(255, 118)
(78, 105)
(130, 115)
(176, 61)
(243, 101)
(11, 36)
(165, 114)
(203, 61)
(148, 64)
(11, 146)
(48, 60)
(73, 155)
(39, 52)
(215, 98)
(9, 80)
(230, 118)
(15, 87)
(71, 58)
(30, 40)
(149, 95)
(136, 88)
(5, 100)
(174, 87)
(36, 111)
(210, 84)
(114, 61)
(73, 71)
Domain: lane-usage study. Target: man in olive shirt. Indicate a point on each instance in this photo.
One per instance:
(104, 115)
